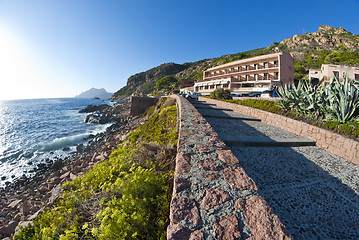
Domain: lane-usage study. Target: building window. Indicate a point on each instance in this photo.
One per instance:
(225, 85)
(255, 66)
(275, 63)
(247, 77)
(211, 87)
(247, 67)
(276, 75)
(265, 64)
(336, 74)
(201, 88)
(255, 77)
(265, 76)
(356, 76)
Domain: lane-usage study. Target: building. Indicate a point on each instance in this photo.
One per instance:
(318, 76)
(255, 74)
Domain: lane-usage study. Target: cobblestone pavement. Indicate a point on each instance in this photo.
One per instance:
(314, 193)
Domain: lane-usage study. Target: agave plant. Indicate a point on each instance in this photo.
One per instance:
(337, 99)
(343, 98)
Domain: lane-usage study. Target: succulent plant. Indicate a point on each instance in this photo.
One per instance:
(337, 100)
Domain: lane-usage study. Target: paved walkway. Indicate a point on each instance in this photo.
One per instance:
(314, 193)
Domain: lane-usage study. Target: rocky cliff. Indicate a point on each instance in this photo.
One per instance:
(143, 82)
(309, 50)
(326, 38)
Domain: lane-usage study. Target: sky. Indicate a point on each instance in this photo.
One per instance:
(60, 48)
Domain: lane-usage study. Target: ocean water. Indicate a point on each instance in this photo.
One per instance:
(35, 131)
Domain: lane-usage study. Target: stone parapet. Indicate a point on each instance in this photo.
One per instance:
(213, 197)
(332, 142)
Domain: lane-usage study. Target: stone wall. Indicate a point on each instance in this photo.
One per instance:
(140, 104)
(341, 146)
(213, 197)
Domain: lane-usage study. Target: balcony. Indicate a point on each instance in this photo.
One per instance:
(251, 70)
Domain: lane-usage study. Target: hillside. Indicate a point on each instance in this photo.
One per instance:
(309, 50)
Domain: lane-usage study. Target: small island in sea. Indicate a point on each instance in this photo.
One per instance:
(95, 93)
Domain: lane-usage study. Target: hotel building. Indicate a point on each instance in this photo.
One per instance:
(254, 74)
(318, 76)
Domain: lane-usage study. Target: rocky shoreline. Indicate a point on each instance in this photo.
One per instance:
(22, 201)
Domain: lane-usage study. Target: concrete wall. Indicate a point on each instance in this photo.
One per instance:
(213, 197)
(341, 146)
(140, 104)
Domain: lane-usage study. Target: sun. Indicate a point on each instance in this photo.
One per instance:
(15, 72)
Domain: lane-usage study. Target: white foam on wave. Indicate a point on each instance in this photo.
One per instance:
(62, 142)
(68, 141)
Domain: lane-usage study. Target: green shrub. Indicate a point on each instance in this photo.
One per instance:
(223, 94)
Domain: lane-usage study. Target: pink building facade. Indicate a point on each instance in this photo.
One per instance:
(249, 75)
(318, 76)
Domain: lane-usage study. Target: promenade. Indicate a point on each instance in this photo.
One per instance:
(313, 192)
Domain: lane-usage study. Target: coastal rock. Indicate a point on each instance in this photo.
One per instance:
(9, 228)
(94, 108)
(97, 118)
(24, 209)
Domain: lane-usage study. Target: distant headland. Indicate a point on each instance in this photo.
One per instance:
(95, 93)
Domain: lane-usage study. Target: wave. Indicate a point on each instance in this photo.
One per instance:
(59, 143)
(62, 142)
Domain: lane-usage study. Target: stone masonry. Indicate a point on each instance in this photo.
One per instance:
(213, 197)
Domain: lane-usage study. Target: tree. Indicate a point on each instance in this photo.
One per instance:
(166, 82)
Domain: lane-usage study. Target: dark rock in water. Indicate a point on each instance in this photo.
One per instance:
(93, 108)
(51, 152)
(66, 149)
(97, 118)
(3, 178)
(29, 163)
(89, 137)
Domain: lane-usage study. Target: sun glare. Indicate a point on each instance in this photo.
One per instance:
(16, 75)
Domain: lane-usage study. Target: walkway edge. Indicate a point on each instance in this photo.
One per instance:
(213, 197)
(332, 142)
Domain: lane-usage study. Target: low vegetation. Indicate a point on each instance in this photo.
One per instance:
(221, 94)
(124, 197)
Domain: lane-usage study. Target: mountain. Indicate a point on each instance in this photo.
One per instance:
(309, 50)
(95, 93)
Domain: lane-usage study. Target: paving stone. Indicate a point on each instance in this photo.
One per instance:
(213, 198)
(183, 163)
(210, 165)
(181, 184)
(184, 209)
(228, 228)
(237, 178)
(227, 156)
(178, 232)
(262, 222)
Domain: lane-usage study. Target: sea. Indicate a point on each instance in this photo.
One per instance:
(39, 131)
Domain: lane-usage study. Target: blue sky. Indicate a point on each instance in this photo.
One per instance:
(60, 48)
